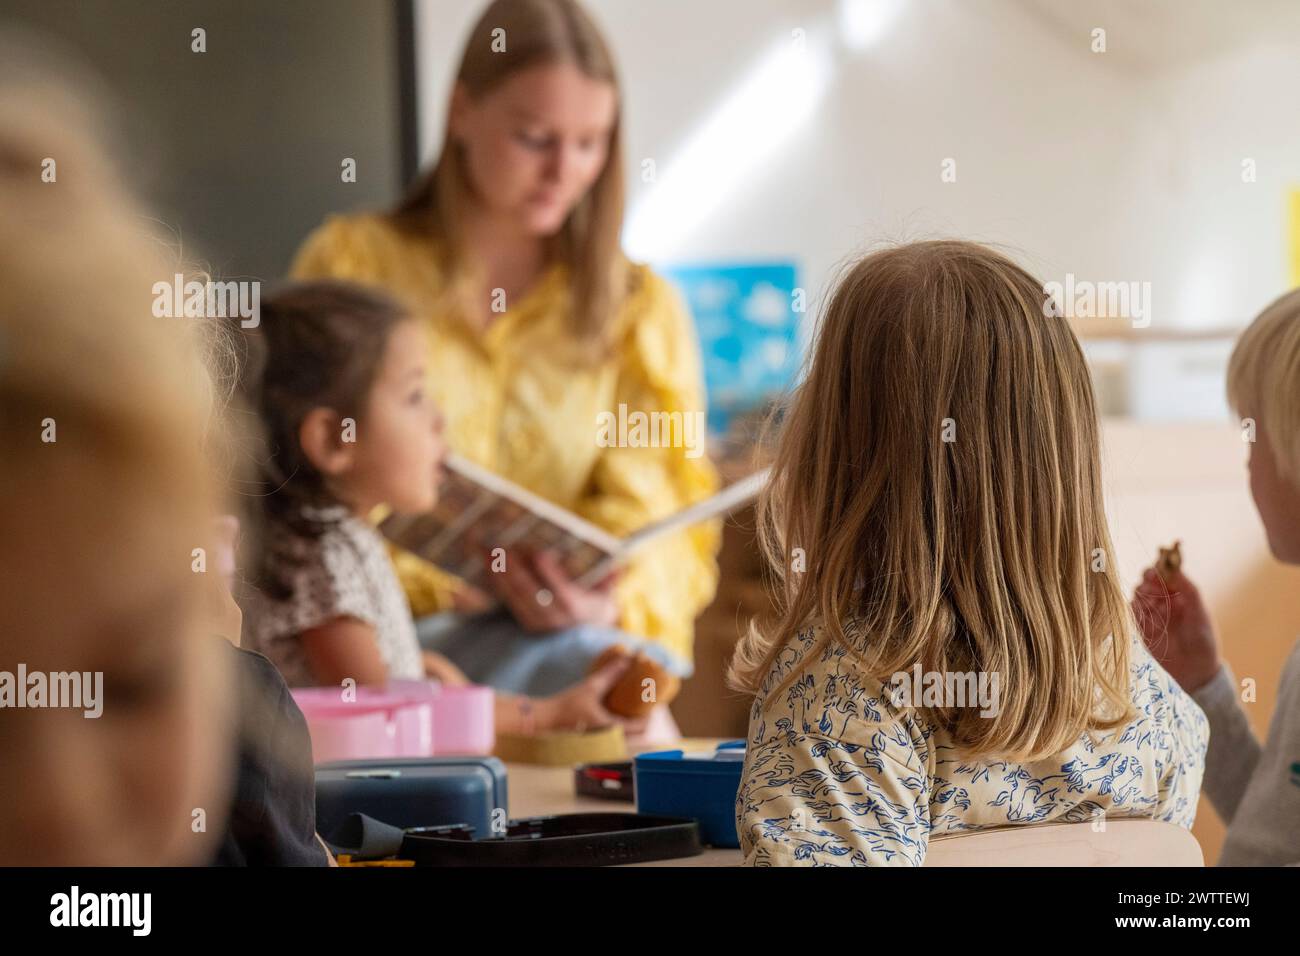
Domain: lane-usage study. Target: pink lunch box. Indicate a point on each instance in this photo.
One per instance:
(403, 719)
(462, 716)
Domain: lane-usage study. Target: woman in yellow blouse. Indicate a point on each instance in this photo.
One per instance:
(509, 248)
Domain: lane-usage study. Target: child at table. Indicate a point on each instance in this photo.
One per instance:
(104, 495)
(953, 650)
(272, 818)
(1255, 789)
(336, 375)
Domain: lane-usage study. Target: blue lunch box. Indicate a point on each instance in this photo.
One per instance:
(700, 786)
(413, 792)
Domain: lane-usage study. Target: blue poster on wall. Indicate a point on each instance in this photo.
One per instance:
(748, 329)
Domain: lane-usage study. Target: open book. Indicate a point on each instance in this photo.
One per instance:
(479, 511)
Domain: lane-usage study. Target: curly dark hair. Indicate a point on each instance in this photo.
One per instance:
(318, 344)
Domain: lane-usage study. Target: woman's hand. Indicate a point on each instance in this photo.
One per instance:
(1176, 627)
(543, 598)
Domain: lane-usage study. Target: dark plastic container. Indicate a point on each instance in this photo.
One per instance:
(567, 839)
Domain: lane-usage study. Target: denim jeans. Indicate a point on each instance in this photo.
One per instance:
(492, 649)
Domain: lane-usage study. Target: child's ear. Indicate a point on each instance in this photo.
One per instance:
(325, 443)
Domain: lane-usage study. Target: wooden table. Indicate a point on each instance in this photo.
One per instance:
(541, 791)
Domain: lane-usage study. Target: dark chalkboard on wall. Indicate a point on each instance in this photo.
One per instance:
(239, 150)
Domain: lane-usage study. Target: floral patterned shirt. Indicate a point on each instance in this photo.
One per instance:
(837, 775)
(344, 573)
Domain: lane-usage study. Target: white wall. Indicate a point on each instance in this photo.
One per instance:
(1224, 241)
(1124, 165)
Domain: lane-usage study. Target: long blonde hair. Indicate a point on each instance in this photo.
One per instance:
(939, 470)
(539, 32)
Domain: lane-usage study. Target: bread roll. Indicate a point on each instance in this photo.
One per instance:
(627, 698)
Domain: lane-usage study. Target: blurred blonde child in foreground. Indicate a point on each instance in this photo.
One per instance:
(104, 495)
(1255, 789)
(954, 650)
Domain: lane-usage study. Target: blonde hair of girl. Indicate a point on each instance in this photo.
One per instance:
(939, 469)
(1264, 378)
(537, 33)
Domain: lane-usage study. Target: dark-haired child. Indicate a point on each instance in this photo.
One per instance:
(336, 374)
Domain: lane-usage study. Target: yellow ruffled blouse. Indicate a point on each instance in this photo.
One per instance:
(517, 401)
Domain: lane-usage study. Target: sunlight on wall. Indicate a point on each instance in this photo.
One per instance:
(733, 144)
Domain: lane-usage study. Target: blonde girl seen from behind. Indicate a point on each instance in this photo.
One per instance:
(936, 512)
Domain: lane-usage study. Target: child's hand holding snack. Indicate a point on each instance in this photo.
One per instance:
(627, 696)
(1174, 622)
(582, 706)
